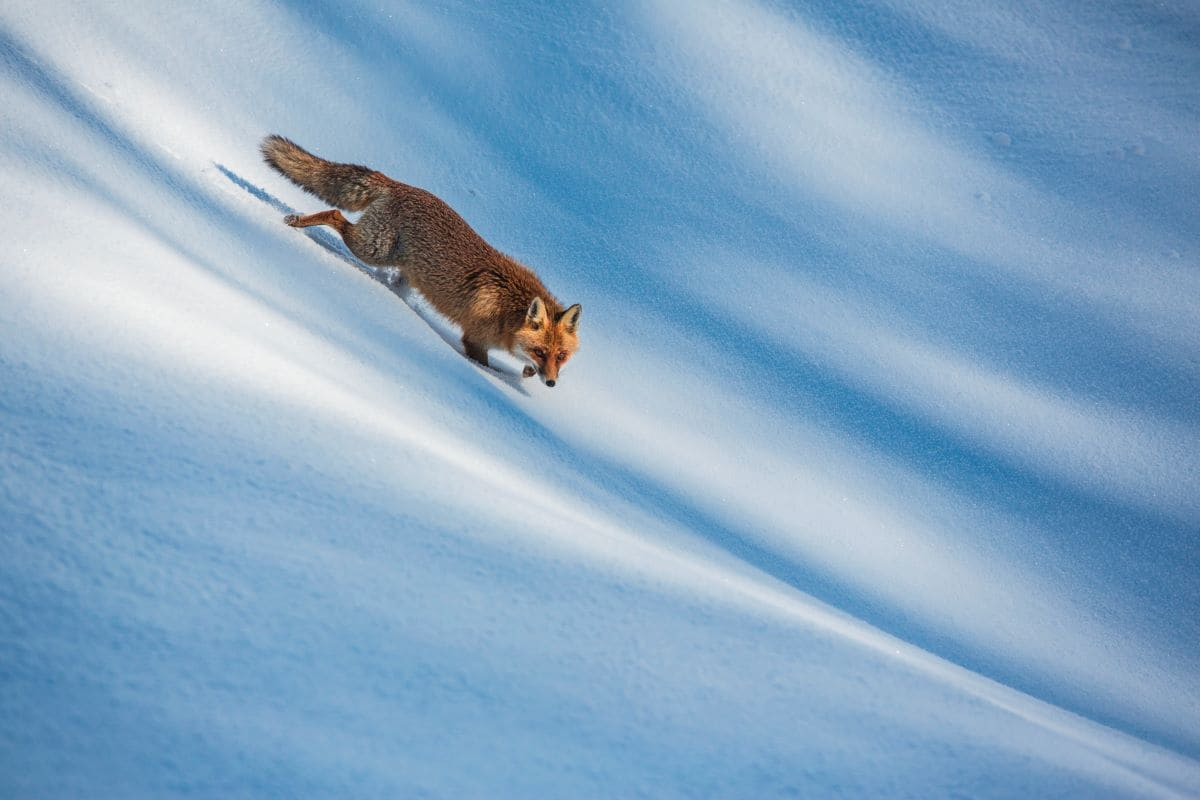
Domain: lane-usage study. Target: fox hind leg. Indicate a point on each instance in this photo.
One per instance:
(362, 239)
(333, 218)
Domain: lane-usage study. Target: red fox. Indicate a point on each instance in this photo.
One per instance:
(496, 301)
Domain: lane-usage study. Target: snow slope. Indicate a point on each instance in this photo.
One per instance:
(878, 473)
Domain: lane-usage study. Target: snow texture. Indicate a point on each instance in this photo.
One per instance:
(877, 474)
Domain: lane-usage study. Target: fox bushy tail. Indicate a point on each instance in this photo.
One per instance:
(349, 187)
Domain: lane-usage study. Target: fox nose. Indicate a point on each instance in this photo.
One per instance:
(549, 383)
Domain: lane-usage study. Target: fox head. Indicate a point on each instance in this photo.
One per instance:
(546, 341)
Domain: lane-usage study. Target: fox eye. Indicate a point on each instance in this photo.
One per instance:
(562, 356)
(539, 352)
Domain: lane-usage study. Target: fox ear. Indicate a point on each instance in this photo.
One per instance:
(536, 315)
(570, 317)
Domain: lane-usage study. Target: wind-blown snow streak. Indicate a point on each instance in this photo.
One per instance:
(807, 116)
(831, 123)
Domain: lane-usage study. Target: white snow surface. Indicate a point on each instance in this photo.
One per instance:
(877, 473)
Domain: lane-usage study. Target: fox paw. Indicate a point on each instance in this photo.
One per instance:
(528, 372)
(291, 219)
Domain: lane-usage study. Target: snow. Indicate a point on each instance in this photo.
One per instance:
(876, 474)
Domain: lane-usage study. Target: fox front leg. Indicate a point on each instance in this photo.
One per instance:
(475, 352)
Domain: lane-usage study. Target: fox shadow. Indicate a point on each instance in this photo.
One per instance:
(390, 277)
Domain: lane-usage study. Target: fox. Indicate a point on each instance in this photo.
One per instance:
(496, 301)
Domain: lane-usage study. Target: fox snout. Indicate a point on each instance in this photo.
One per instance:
(546, 366)
(531, 370)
